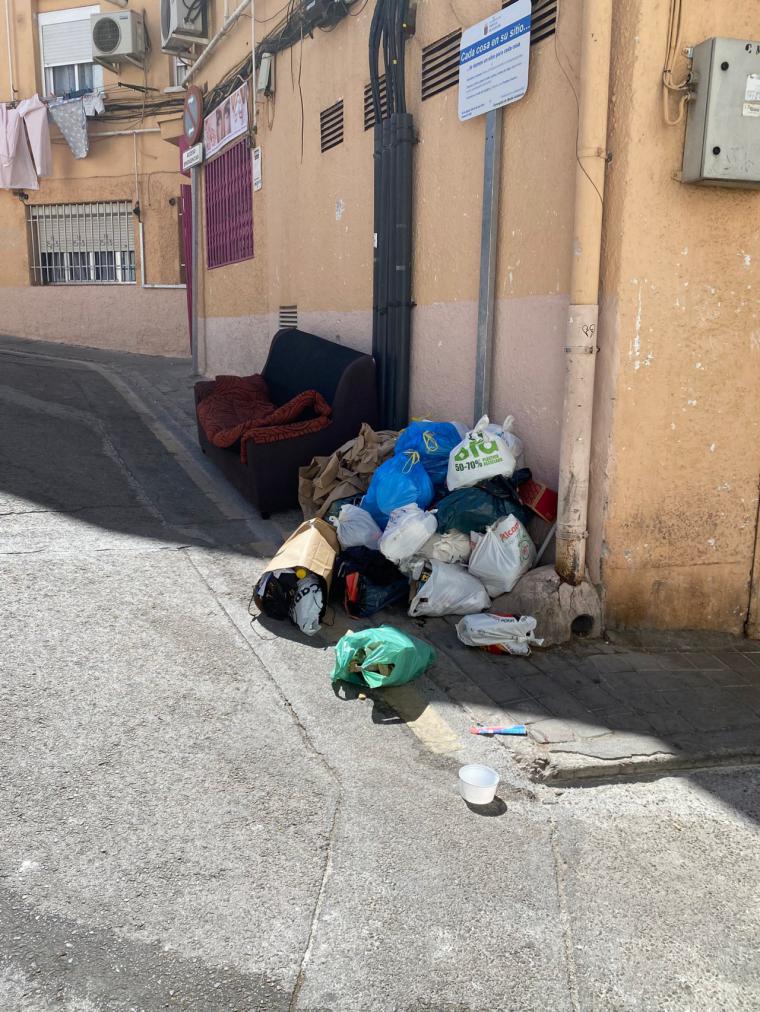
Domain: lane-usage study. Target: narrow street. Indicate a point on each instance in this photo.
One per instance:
(190, 818)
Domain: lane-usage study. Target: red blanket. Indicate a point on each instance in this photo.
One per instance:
(239, 408)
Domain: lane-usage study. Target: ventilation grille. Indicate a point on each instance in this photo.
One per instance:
(440, 64)
(369, 109)
(288, 317)
(543, 19)
(331, 126)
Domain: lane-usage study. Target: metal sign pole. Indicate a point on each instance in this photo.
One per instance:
(488, 250)
(195, 266)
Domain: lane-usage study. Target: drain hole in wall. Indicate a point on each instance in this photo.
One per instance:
(582, 625)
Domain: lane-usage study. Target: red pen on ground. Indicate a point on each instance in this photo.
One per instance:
(517, 729)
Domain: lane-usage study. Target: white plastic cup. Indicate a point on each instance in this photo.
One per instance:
(477, 784)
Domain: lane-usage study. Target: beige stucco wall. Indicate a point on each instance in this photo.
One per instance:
(142, 167)
(677, 426)
(313, 223)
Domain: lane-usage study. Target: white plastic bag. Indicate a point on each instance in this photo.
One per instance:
(448, 590)
(502, 633)
(453, 546)
(502, 555)
(480, 455)
(507, 433)
(408, 529)
(307, 604)
(356, 527)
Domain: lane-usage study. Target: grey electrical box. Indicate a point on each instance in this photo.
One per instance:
(722, 146)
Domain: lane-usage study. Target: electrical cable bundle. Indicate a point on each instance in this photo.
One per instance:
(392, 262)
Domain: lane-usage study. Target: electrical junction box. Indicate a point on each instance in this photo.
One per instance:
(722, 146)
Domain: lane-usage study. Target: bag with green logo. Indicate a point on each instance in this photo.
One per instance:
(481, 455)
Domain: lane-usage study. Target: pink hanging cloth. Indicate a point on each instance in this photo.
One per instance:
(34, 113)
(16, 165)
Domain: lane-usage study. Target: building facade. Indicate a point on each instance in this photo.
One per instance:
(83, 254)
(673, 509)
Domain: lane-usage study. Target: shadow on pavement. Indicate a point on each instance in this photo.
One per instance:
(81, 470)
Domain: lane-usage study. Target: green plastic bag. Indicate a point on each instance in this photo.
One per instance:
(380, 657)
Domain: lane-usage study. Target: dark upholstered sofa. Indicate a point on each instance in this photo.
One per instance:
(298, 361)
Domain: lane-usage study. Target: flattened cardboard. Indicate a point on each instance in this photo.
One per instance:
(313, 546)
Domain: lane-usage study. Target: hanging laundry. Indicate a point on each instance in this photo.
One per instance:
(93, 104)
(16, 165)
(34, 113)
(68, 115)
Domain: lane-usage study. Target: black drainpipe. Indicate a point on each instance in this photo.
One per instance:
(392, 259)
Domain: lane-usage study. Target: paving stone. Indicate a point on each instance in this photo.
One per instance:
(617, 746)
(738, 662)
(750, 695)
(536, 685)
(669, 723)
(706, 662)
(551, 662)
(730, 677)
(675, 661)
(737, 742)
(671, 681)
(626, 721)
(548, 731)
(716, 718)
(595, 697)
(589, 729)
(527, 711)
(565, 705)
(646, 662)
(608, 663)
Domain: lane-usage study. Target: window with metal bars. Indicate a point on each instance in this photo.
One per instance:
(331, 126)
(229, 207)
(82, 243)
(440, 60)
(369, 108)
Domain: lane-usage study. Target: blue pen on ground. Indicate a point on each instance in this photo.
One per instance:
(517, 729)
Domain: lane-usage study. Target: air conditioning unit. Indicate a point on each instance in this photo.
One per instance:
(183, 24)
(118, 37)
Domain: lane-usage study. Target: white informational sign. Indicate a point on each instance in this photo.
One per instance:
(493, 61)
(256, 155)
(192, 156)
(227, 121)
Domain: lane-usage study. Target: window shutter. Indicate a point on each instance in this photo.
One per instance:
(66, 42)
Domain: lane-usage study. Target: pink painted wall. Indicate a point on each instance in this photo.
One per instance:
(119, 317)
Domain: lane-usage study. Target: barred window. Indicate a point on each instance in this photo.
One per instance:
(82, 243)
(229, 206)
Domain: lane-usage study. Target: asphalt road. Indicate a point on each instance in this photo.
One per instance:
(191, 819)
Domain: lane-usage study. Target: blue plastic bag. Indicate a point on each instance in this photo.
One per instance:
(398, 482)
(434, 441)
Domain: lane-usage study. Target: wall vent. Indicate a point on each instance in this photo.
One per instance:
(331, 126)
(543, 19)
(288, 317)
(440, 64)
(369, 109)
(440, 60)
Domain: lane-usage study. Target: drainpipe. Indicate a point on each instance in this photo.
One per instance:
(216, 39)
(581, 333)
(9, 40)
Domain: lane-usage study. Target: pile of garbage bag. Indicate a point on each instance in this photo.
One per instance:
(436, 518)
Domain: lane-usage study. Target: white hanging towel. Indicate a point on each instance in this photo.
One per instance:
(34, 113)
(16, 165)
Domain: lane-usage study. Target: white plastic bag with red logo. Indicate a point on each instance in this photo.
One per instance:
(481, 455)
(504, 553)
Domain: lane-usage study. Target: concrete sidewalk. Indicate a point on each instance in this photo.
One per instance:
(190, 818)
